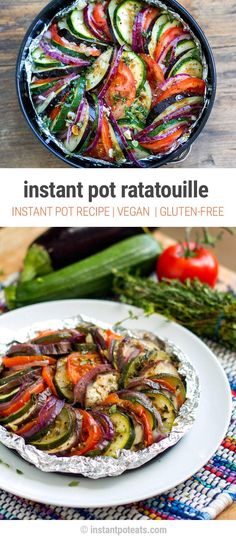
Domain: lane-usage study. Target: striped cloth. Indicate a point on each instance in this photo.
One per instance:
(202, 497)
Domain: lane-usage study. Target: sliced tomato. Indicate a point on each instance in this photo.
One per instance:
(91, 434)
(151, 14)
(79, 364)
(166, 143)
(155, 76)
(191, 85)
(48, 373)
(110, 335)
(138, 410)
(100, 19)
(40, 82)
(15, 361)
(122, 91)
(166, 38)
(81, 49)
(34, 389)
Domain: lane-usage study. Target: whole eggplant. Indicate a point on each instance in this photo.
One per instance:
(61, 246)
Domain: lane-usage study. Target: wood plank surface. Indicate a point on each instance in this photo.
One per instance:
(13, 245)
(214, 147)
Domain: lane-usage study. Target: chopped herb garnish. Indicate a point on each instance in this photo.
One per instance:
(74, 483)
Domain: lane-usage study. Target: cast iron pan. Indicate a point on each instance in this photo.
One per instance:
(44, 17)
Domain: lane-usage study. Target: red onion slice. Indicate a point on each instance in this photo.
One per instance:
(170, 45)
(112, 72)
(105, 423)
(64, 58)
(137, 36)
(81, 386)
(49, 412)
(88, 19)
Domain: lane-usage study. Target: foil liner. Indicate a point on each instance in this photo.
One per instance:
(101, 466)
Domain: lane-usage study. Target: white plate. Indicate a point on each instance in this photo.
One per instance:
(160, 475)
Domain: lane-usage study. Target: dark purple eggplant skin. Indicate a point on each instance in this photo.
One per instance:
(162, 105)
(57, 72)
(31, 349)
(66, 245)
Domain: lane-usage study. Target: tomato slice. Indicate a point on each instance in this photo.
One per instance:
(122, 91)
(81, 49)
(166, 38)
(32, 390)
(166, 143)
(150, 14)
(79, 364)
(48, 373)
(100, 19)
(138, 410)
(155, 76)
(40, 82)
(110, 335)
(91, 434)
(192, 85)
(15, 361)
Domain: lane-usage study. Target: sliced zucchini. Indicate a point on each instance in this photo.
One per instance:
(75, 138)
(111, 10)
(76, 24)
(67, 50)
(63, 384)
(160, 22)
(17, 418)
(139, 437)
(85, 348)
(165, 407)
(98, 70)
(137, 67)
(130, 370)
(4, 398)
(59, 433)
(41, 59)
(124, 17)
(133, 124)
(189, 64)
(139, 110)
(183, 46)
(70, 106)
(124, 432)
(14, 376)
(70, 442)
(174, 23)
(162, 130)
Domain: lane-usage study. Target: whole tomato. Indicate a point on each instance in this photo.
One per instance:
(188, 261)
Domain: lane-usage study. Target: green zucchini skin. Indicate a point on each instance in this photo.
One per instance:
(91, 277)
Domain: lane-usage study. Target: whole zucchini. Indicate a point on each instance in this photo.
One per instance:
(91, 277)
(60, 246)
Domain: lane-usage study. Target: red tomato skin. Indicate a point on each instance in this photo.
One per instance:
(173, 264)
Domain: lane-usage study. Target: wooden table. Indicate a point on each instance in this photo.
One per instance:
(13, 245)
(215, 146)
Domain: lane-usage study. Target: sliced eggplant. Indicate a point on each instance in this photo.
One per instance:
(190, 101)
(98, 390)
(154, 368)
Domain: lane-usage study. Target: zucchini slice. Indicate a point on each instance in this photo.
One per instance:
(96, 73)
(113, 4)
(17, 418)
(4, 398)
(63, 384)
(124, 432)
(124, 16)
(165, 407)
(14, 377)
(131, 370)
(137, 67)
(183, 46)
(194, 100)
(160, 22)
(177, 384)
(59, 432)
(189, 64)
(41, 59)
(77, 26)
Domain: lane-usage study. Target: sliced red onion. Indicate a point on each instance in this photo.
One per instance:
(112, 72)
(81, 386)
(105, 423)
(130, 153)
(64, 58)
(25, 385)
(88, 19)
(47, 414)
(161, 136)
(92, 145)
(137, 36)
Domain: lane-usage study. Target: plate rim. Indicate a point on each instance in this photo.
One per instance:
(151, 492)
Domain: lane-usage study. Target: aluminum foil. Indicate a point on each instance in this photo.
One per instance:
(101, 466)
(44, 129)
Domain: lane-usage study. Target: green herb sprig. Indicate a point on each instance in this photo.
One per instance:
(205, 311)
